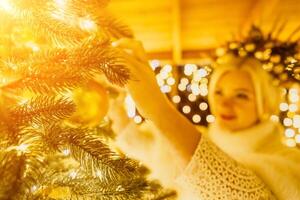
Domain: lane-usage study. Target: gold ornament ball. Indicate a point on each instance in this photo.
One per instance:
(92, 103)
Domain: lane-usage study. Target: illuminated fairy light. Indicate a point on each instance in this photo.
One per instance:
(184, 81)
(204, 81)
(73, 174)
(171, 81)
(297, 138)
(196, 118)
(164, 74)
(293, 108)
(199, 74)
(154, 64)
(167, 68)
(283, 107)
(66, 152)
(87, 24)
(192, 97)
(296, 121)
(189, 69)
(166, 89)
(196, 91)
(33, 46)
(294, 98)
(61, 3)
(210, 118)
(5, 5)
(22, 147)
(287, 122)
(194, 86)
(181, 87)
(137, 119)
(176, 99)
(34, 188)
(274, 118)
(100, 174)
(290, 142)
(160, 81)
(186, 109)
(203, 90)
(289, 133)
(203, 106)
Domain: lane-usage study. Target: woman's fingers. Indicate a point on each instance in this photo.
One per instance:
(132, 47)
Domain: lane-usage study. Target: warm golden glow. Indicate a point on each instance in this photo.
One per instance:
(6, 6)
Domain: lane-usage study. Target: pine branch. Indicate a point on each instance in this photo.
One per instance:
(83, 187)
(9, 173)
(95, 156)
(59, 70)
(61, 30)
(19, 170)
(42, 109)
(113, 26)
(101, 57)
(95, 4)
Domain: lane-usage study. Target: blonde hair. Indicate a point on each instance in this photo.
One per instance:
(267, 95)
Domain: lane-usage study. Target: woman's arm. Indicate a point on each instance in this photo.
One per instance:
(154, 105)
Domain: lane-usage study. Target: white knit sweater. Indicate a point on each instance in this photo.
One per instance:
(246, 165)
(251, 164)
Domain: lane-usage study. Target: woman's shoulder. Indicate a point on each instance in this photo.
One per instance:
(202, 129)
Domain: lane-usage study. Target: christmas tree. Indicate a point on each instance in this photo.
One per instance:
(51, 52)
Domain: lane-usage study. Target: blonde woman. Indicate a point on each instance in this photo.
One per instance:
(241, 156)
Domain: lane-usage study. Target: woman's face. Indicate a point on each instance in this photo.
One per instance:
(234, 101)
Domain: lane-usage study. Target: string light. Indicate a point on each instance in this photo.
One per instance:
(34, 188)
(154, 64)
(293, 108)
(73, 174)
(170, 81)
(166, 88)
(287, 122)
(203, 106)
(290, 142)
(196, 118)
(182, 87)
(186, 109)
(296, 121)
(210, 118)
(66, 152)
(33, 46)
(87, 24)
(137, 119)
(289, 133)
(192, 97)
(167, 68)
(184, 81)
(297, 138)
(176, 99)
(5, 5)
(22, 148)
(189, 69)
(274, 118)
(283, 107)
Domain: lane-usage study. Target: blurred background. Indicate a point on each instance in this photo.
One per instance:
(184, 30)
(182, 37)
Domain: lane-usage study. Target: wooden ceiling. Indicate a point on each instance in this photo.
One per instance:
(181, 29)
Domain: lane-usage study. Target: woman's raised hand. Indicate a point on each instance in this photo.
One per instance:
(142, 85)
